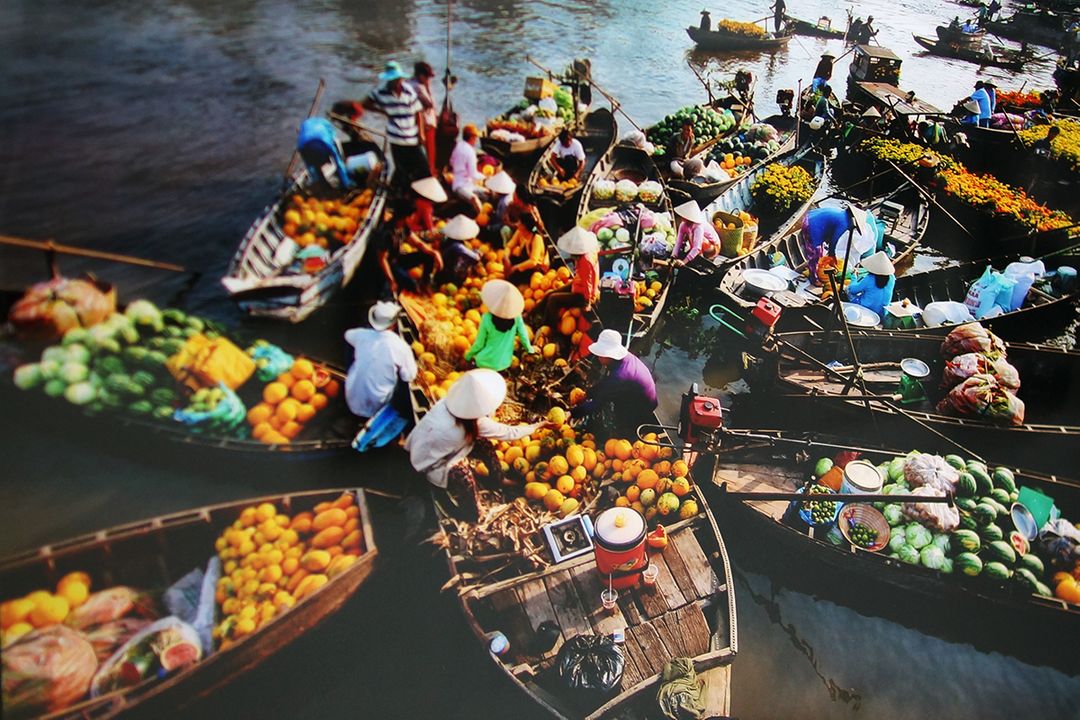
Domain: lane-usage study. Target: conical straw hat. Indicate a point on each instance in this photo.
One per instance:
(461, 227)
(476, 394)
(503, 300)
(578, 241)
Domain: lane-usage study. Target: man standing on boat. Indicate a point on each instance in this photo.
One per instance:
(404, 123)
(421, 83)
(569, 156)
(380, 359)
(706, 21)
(982, 99)
(779, 9)
(463, 167)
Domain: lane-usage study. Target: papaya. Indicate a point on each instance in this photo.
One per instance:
(351, 540)
(328, 536)
(345, 501)
(328, 518)
(296, 579)
(302, 522)
(310, 584)
(340, 564)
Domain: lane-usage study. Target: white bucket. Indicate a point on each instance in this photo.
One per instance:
(861, 478)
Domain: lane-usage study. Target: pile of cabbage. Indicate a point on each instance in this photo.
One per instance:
(614, 229)
(919, 532)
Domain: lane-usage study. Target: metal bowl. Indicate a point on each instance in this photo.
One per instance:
(760, 283)
(913, 367)
(860, 316)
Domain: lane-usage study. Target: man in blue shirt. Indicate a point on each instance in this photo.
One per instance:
(982, 99)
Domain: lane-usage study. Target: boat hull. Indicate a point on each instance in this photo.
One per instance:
(714, 41)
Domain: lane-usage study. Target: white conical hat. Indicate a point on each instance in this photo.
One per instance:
(860, 218)
(872, 112)
(971, 106)
(476, 394)
(430, 188)
(382, 315)
(879, 264)
(500, 183)
(690, 211)
(578, 241)
(502, 298)
(461, 227)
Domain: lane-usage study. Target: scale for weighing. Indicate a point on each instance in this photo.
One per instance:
(911, 388)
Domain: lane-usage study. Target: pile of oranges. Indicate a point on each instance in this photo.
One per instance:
(289, 402)
(271, 561)
(42, 608)
(653, 484)
(311, 221)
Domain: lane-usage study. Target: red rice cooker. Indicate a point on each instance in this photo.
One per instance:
(619, 545)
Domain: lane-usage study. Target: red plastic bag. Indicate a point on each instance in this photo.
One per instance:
(982, 396)
(961, 367)
(970, 338)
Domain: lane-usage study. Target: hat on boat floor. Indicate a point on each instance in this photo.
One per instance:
(502, 298)
(476, 394)
(430, 188)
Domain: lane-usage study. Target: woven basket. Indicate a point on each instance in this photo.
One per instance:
(867, 515)
(731, 241)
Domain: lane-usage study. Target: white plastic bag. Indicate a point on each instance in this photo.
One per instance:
(939, 516)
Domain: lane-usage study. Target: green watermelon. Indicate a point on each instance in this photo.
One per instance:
(965, 541)
(990, 533)
(982, 478)
(967, 522)
(965, 503)
(968, 563)
(997, 570)
(1032, 562)
(956, 461)
(1001, 551)
(1026, 577)
(1001, 496)
(984, 513)
(966, 486)
(1000, 510)
(1043, 590)
(1003, 478)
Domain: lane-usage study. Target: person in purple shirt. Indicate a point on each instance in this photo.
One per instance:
(628, 385)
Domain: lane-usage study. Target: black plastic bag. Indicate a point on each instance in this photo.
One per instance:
(590, 663)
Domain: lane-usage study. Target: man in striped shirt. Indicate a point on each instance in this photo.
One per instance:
(404, 123)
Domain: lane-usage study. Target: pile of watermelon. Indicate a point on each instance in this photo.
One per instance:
(708, 123)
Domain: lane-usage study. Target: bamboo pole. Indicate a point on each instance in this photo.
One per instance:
(51, 246)
(295, 158)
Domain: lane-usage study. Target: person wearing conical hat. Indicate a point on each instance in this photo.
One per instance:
(693, 232)
(627, 389)
(500, 327)
(584, 290)
(427, 193)
(380, 360)
(458, 259)
(386, 246)
(503, 192)
(874, 290)
(441, 442)
(525, 250)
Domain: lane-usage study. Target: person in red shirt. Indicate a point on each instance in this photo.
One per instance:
(584, 289)
(427, 193)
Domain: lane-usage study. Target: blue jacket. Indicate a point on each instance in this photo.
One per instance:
(983, 99)
(866, 292)
(317, 140)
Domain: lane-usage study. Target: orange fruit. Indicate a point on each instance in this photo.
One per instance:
(679, 468)
(303, 390)
(49, 610)
(286, 412)
(623, 450)
(633, 493)
(318, 401)
(558, 465)
(259, 414)
(304, 413)
(286, 379)
(302, 369)
(291, 429)
(74, 590)
(261, 429)
(332, 388)
(275, 392)
(647, 479)
(564, 484)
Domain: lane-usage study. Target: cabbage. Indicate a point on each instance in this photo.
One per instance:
(896, 541)
(604, 190)
(942, 541)
(932, 557)
(892, 514)
(77, 352)
(908, 554)
(144, 312)
(50, 369)
(622, 235)
(54, 353)
(894, 489)
(918, 537)
(73, 372)
(55, 388)
(28, 376)
(80, 393)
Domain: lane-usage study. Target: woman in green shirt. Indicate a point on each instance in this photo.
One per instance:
(500, 327)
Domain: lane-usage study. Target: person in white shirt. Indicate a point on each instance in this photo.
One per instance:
(569, 156)
(463, 167)
(380, 359)
(441, 442)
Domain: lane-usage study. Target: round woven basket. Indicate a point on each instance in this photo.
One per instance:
(868, 515)
(731, 240)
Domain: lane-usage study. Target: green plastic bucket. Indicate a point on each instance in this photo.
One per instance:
(1039, 504)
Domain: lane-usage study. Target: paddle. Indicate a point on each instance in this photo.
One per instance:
(291, 168)
(925, 193)
(49, 246)
(708, 90)
(615, 104)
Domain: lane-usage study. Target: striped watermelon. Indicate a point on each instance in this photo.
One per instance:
(965, 541)
(966, 487)
(1003, 478)
(1032, 562)
(1001, 551)
(997, 570)
(968, 563)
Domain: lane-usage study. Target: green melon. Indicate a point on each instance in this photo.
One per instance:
(968, 563)
(984, 513)
(965, 503)
(1001, 551)
(1032, 562)
(1001, 496)
(996, 570)
(1003, 478)
(982, 477)
(966, 486)
(956, 461)
(965, 541)
(990, 533)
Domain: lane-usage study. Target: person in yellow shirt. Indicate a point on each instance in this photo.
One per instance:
(525, 251)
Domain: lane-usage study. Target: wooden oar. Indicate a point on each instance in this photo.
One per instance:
(50, 246)
(291, 168)
(751, 496)
(615, 104)
(925, 193)
(708, 90)
(354, 124)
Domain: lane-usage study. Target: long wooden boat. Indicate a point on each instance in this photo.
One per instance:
(1048, 389)
(628, 162)
(705, 193)
(905, 225)
(993, 615)
(690, 612)
(154, 554)
(1042, 28)
(260, 277)
(503, 149)
(737, 197)
(979, 54)
(810, 29)
(597, 136)
(957, 36)
(712, 40)
(952, 283)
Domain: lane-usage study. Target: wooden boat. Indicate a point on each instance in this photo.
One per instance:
(992, 615)
(957, 36)
(952, 283)
(157, 552)
(705, 193)
(630, 163)
(982, 54)
(905, 224)
(503, 149)
(689, 613)
(872, 80)
(1048, 389)
(1033, 26)
(712, 40)
(810, 29)
(597, 136)
(737, 197)
(260, 277)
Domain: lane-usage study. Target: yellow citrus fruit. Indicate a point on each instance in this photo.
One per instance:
(303, 390)
(75, 591)
(553, 500)
(15, 611)
(259, 414)
(564, 484)
(318, 401)
(556, 415)
(275, 392)
(286, 379)
(302, 369)
(49, 611)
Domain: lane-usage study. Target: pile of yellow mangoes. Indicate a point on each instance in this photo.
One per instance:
(42, 608)
(311, 221)
(654, 484)
(290, 401)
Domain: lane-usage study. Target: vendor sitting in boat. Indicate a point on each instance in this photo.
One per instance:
(318, 144)
(457, 258)
(569, 156)
(627, 389)
(380, 360)
(822, 230)
(874, 289)
(463, 167)
(427, 193)
(525, 250)
(584, 290)
(693, 232)
(500, 327)
(404, 270)
(680, 146)
(503, 191)
(456, 427)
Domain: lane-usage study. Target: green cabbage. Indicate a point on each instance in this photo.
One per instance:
(74, 335)
(908, 554)
(896, 541)
(55, 353)
(932, 557)
(28, 376)
(942, 541)
(74, 372)
(892, 514)
(55, 388)
(80, 393)
(918, 536)
(77, 352)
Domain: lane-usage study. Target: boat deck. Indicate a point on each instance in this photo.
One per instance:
(759, 478)
(666, 621)
(893, 97)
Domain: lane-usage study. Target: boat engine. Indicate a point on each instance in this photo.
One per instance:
(785, 98)
(763, 318)
(700, 418)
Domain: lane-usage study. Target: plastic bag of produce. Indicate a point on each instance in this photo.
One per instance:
(972, 337)
(931, 470)
(46, 670)
(49, 309)
(1059, 542)
(203, 362)
(626, 191)
(604, 189)
(982, 396)
(106, 638)
(109, 605)
(650, 191)
(946, 312)
(167, 645)
(679, 696)
(938, 516)
(983, 293)
(655, 245)
(592, 663)
(961, 367)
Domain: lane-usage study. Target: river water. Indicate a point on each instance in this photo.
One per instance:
(162, 129)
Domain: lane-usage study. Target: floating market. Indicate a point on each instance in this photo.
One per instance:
(676, 377)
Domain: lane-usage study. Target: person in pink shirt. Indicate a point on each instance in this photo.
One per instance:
(693, 233)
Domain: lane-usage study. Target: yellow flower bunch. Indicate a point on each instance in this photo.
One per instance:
(735, 27)
(1065, 147)
(903, 153)
(780, 188)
